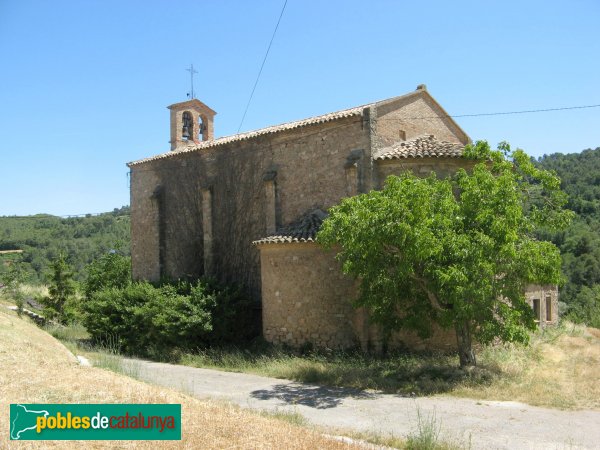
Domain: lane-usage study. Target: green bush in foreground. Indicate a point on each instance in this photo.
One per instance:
(147, 320)
(109, 270)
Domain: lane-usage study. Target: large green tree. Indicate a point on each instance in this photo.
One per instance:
(457, 251)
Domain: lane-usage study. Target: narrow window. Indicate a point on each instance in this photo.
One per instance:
(548, 308)
(536, 308)
(402, 134)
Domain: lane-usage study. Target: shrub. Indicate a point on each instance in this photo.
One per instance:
(176, 320)
(236, 317)
(13, 279)
(110, 270)
(61, 289)
(146, 320)
(111, 313)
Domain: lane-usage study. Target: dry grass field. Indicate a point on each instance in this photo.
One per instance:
(559, 369)
(36, 368)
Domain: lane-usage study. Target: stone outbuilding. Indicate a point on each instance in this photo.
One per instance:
(197, 209)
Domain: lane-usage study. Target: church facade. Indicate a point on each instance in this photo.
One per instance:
(246, 208)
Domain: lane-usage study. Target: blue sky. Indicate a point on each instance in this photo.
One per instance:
(84, 84)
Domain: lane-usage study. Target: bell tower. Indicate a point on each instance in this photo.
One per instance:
(191, 122)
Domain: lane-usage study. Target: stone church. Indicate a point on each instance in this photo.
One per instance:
(246, 209)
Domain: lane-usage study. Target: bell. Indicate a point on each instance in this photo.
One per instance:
(186, 133)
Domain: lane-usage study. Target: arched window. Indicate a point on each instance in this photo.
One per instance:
(187, 130)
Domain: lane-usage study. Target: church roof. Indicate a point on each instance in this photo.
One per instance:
(356, 111)
(304, 229)
(421, 147)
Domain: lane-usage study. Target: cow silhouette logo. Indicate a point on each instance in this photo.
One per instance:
(24, 420)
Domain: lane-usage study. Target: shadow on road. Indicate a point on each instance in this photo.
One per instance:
(318, 397)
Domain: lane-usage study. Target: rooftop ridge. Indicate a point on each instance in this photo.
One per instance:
(323, 118)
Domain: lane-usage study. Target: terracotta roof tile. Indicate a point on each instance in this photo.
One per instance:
(303, 229)
(421, 147)
(357, 111)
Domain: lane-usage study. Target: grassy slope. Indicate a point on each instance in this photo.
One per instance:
(36, 368)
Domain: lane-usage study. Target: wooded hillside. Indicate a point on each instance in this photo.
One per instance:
(580, 244)
(82, 239)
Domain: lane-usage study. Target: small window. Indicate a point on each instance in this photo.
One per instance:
(536, 308)
(402, 134)
(548, 308)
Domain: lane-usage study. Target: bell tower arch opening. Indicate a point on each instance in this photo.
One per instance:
(187, 131)
(191, 122)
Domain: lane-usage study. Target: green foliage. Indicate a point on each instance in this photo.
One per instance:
(82, 239)
(61, 289)
(585, 307)
(109, 270)
(458, 251)
(179, 321)
(13, 278)
(236, 317)
(580, 243)
(143, 319)
(146, 320)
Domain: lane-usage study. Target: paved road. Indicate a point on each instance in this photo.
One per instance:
(486, 424)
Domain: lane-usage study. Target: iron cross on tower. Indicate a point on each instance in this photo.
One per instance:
(192, 72)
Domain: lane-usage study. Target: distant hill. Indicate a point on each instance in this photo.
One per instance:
(580, 244)
(82, 239)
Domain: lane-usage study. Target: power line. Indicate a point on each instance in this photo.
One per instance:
(262, 65)
(506, 113)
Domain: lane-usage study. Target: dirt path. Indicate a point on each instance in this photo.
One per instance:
(486, 424)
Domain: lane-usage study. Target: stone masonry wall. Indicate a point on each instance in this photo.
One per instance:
(309, 172)
(144, 225)
(547, 296)
(308, 166)
(413, 116)
(420, 167)
(306, 298)
(238, 187)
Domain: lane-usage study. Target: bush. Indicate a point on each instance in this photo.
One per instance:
(110, 270)
(236, 318)
(176, 320)
(13, 279)
(111, 313)
(146, 320)
(150, 320)
(60, 291)
(585, 307)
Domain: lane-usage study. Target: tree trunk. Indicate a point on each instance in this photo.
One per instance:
(465, 347)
